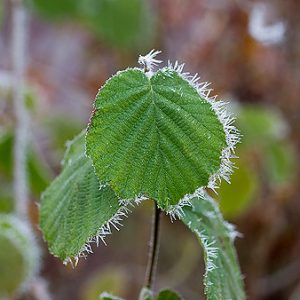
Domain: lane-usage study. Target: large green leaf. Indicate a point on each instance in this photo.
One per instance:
(154, 136)
(74, 208)
(222, 278)
(18, 255)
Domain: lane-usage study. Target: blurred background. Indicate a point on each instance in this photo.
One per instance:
(250, 50)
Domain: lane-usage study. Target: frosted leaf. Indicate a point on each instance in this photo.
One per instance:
(222, 277)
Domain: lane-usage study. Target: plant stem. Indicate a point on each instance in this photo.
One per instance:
(21, 127)
(153, 247)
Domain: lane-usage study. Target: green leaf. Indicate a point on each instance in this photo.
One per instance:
(280, 162)
(222, 277)
(168, 295)
(38, 173)
(260, 125)
(154, 136)
(236, 197)
(19, 255)
(108, 296)
(61, 128)
(121, 23)
(6, 149)
(74, 208)
(55, 9)
(109, 278)
(6, 202)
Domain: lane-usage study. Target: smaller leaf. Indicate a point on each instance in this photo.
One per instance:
(222, 277)
(260, 125)
(55, 9)
(168, 295)
(38, 172)
(236, 197)
(19, 255)
(75, 210)
(111, 278)
(134, 28)
(108, 296)
(280, 163)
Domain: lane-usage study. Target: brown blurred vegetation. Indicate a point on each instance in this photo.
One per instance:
(66, 66)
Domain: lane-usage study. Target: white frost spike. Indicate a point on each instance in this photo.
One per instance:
(176, 211)
(211, 251)
(232, 232)
(148, 61)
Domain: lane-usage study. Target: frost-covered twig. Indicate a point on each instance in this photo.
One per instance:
(21, 130)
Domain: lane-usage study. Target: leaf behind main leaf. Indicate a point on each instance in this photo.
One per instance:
(74, 208)
(222, 278)
(168, 295)
(19, 255)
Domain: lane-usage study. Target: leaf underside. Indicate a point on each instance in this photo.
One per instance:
(73, 207)
(154, 136)
(222, 278)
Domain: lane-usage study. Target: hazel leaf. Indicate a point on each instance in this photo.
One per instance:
(75, 209)
(222, 277)
(154, 136)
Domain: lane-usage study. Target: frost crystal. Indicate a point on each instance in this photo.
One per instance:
(210, 250)
(148, 62)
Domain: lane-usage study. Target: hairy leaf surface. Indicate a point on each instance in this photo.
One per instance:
(154, 136)
(222, 277)
(74, 207)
